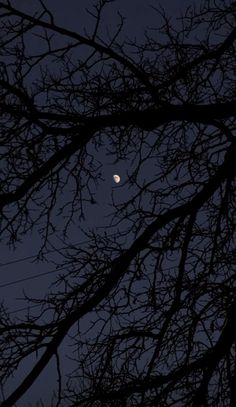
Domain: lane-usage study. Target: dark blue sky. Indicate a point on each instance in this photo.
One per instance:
(72, 15)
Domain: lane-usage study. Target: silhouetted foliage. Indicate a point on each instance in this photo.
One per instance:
(156, 301)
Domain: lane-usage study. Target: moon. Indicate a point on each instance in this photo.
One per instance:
(116, 178)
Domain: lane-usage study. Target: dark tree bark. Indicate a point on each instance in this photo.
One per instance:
(163, 299)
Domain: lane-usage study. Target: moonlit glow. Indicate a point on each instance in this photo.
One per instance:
(116, 178)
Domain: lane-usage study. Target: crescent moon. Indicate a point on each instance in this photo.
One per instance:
(116, 178)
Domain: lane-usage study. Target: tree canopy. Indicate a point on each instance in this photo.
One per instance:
(154, 293)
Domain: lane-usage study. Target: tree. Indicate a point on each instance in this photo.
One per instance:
(161, 291)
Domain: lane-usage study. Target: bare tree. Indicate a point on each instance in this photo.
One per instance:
(161, 292)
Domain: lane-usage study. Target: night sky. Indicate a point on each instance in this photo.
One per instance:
(96, 215)
(16, 272)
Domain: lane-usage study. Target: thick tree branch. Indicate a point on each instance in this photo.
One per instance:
(39, 174)
(147, 120)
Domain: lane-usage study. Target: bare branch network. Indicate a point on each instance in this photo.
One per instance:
(156, 300)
